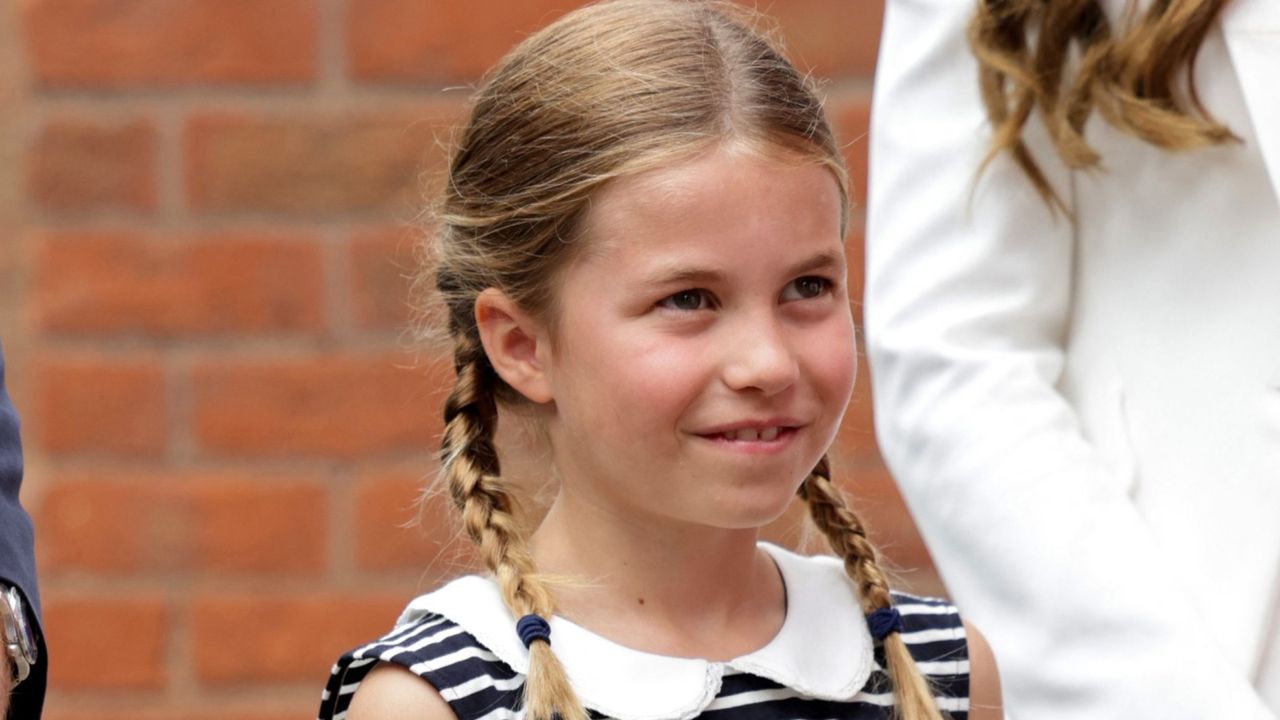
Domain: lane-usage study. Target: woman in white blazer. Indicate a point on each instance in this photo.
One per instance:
(1082, 405)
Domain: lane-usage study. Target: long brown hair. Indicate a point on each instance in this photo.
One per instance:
(1140, 80)
(607, 91)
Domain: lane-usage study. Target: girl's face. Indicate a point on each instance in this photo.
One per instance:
(705, 351)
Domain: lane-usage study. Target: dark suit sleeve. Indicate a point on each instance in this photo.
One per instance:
(17, 552)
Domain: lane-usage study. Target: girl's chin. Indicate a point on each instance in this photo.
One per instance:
(756, 513)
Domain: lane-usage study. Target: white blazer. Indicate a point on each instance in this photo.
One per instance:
(1085, 418)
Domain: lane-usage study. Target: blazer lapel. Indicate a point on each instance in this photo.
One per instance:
(1252, 30)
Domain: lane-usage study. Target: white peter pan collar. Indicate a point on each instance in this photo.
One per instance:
(819, 652)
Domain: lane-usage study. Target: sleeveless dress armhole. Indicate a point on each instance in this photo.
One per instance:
(473, 681)
(934, 633)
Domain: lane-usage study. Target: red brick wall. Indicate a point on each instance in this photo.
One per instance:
(203, 311)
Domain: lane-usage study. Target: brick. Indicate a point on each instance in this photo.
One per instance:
(442, 42)
(878, 504)
(98, 405)
(319, 165)
(874, 497)
(167, 43)
(111, 526)
(329, 406)
(851, 116)
(248, 639)
(833, 38)
(245, 525)
(856, 256)
(437, 41)
(382, 264)
(106, 643)
(114, 283)
(390, 533)
(154, 523)
(873, 494)
(81, 165)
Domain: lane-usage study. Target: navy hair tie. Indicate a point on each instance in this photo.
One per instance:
(532, 627)
(884, 621)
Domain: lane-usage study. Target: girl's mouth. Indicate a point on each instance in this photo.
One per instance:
(768, 434)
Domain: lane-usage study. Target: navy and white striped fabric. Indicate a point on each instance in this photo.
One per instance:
(479, 686)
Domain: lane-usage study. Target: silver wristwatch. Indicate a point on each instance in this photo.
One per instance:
(19, 642)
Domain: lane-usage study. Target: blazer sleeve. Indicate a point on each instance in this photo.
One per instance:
(969, 286)
(17, 553)
(17, 557)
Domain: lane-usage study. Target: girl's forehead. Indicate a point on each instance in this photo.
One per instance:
(723, 212)
(727, 191)
(688, 171)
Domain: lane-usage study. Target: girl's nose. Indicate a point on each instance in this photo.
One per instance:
(759, 357)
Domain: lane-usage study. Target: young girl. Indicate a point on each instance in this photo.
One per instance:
(641, 249)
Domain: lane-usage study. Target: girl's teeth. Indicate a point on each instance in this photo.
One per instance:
(749, 434)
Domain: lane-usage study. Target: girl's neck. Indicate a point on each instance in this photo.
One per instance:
(670, 589)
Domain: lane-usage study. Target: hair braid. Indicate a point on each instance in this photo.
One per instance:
(847, 535)
(470, 467)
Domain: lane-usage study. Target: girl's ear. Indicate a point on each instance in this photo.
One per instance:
(515, 343)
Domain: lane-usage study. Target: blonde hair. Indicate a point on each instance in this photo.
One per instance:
(607, 91)
(1140, 81)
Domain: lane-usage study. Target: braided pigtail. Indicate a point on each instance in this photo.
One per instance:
(848, 537)
(469, 465)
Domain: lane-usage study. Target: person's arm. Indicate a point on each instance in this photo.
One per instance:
(6, 680)
(392, 692)
(985, 701)
(967, 307)
(17, 559)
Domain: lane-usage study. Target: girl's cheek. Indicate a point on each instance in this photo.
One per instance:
(667, 365)
(833, 354)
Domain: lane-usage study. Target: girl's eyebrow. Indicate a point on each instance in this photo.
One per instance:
(676, 274)
(825, 260)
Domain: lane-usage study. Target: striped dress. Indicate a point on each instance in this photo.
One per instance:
(822, 664)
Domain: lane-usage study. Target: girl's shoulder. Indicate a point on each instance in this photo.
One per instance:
(933, 624)
(932, 628)
(935, 634)
(466, 673)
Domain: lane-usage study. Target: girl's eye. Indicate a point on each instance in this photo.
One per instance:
(805, 288)
(687, 300)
